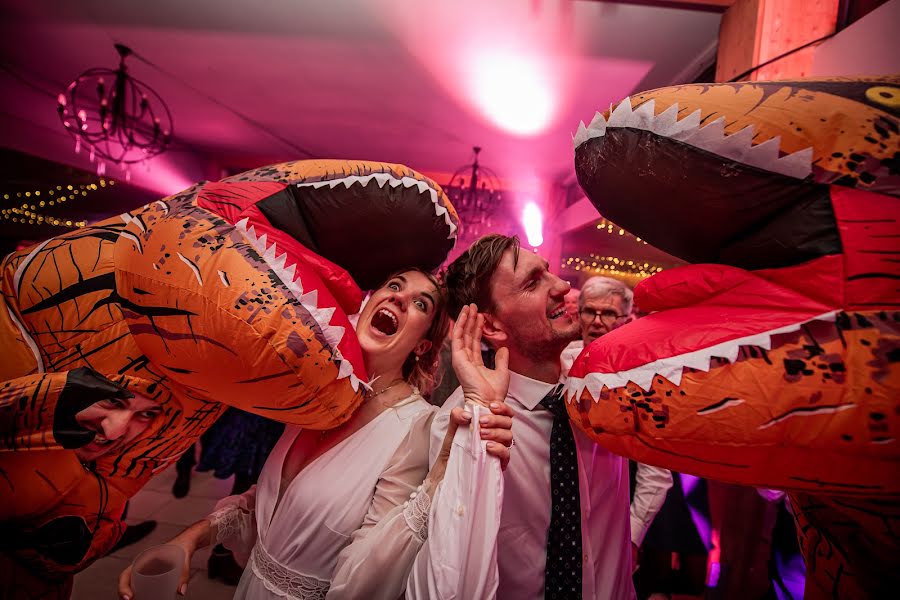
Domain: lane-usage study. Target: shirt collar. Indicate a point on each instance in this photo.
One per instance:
(526, 391)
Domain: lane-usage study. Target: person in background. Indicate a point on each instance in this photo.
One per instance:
(571, 301)
(603, 305)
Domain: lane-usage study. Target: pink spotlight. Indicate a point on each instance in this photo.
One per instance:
(513, 91)
(533, 223)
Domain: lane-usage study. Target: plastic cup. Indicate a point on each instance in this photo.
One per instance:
(156, 572)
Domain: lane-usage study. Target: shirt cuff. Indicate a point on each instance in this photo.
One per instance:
(638, 531)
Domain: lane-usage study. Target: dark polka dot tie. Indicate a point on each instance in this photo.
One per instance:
(562, 578)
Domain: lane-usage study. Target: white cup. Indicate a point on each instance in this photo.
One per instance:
(156, 572)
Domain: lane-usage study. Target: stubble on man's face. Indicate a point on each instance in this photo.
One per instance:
(529, 302)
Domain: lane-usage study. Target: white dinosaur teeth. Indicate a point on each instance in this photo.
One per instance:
(737, 145)
(672, 368)
(345, 369)
(333, 334)
(279, 262)
(310, 298)
(290, 272)
(643, 116)
(581, 135)
(665, 122)
(383, 178)
(798, 164)
(764, 155)
(598, 123)
(621, 116)
(707, 137)
(711, 137)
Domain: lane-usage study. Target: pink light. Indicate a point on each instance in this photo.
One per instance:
(512, 91)
(533, 223)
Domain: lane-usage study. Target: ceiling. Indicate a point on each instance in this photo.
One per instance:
(396, 80)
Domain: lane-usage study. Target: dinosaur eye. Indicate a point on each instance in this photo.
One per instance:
(884, 95)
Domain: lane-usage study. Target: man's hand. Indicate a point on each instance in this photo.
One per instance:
(495, 427)
(479, 383)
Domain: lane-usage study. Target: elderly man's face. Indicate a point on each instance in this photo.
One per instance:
(602, 315)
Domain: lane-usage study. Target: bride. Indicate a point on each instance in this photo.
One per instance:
(343, 513)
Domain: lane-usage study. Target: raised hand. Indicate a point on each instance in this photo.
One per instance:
(479, 383)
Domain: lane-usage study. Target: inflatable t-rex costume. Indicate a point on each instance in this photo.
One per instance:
(230, 293)
(773, 361)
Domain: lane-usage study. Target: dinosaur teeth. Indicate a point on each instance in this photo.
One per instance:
(598, 123)
(386, 178)
(798, 164)
(672, 367)
(643, 116)
(710, 137)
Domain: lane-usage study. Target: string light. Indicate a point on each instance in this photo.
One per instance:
(612, 266)
(26, 214)
(611, 228)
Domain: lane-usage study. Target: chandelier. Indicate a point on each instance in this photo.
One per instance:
(117, 117)
(474, 191)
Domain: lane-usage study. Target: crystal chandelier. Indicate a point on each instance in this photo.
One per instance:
(474, 191)
(115, 116)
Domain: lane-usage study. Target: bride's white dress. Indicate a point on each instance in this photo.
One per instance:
(350, 523)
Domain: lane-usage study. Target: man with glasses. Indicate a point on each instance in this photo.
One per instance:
(604, 305)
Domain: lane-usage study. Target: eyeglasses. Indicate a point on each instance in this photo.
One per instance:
(607, 316)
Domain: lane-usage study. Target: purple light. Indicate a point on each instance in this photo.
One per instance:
(533, 223)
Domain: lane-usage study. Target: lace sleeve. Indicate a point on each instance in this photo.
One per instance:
(234, 519)
(415, 512)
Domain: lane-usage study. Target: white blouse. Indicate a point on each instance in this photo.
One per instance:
(346, 526)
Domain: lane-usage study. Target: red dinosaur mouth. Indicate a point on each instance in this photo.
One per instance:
(707, 312)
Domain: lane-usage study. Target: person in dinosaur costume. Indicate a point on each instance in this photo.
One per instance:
(231, 293)
(772, 360)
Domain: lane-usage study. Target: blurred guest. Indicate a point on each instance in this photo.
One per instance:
(571, 302)
(674, 552)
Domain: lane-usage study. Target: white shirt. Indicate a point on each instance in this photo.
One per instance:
(525, 518)
(651, 484)
(460, 563)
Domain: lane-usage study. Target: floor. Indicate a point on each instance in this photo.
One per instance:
(173, 515)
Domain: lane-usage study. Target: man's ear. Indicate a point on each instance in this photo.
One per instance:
(493, 332)
(422, 347)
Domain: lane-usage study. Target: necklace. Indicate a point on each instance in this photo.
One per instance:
(369, 396)
(384, 389)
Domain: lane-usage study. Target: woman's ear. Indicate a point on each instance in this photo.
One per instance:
(422, 347)
(493, 331)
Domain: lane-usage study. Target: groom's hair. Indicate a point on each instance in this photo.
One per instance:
(469, 276)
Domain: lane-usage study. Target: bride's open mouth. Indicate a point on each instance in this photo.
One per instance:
(385, 322)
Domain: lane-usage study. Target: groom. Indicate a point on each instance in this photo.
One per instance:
(564, 529)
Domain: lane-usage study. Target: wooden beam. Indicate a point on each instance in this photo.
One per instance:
(717, 6)
(754, 31)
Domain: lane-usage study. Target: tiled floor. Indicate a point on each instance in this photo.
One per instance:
(155, 501)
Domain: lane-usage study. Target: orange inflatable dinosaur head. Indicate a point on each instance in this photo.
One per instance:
(774, 361)
(229, 293)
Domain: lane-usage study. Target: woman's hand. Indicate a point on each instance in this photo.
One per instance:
(479, 383)
(188, 540)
